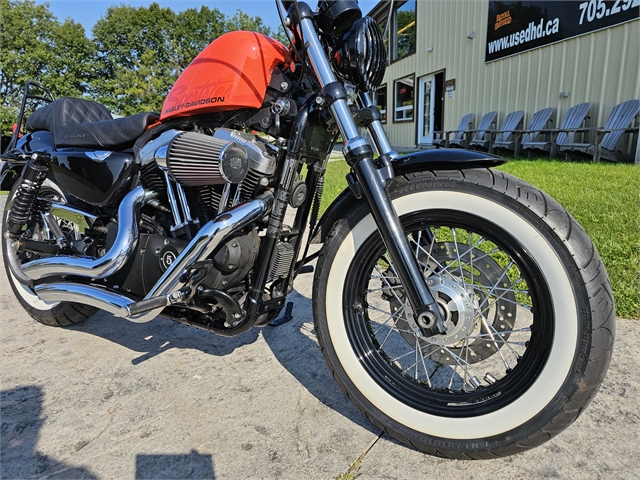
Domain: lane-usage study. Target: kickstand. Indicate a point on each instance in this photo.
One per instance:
(284, 319)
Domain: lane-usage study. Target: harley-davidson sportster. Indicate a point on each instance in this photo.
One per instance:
(461, 309)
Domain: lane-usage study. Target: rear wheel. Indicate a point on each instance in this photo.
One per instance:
(57, 314)
(526, 302)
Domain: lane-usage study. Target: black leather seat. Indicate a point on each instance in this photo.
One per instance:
(74, 122)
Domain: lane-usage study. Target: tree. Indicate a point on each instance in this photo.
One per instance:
(406, 36)
(35, 46)
(242, 21)
(127, 40)
(143, 87)
(24, 41)
(71, 65)
(125, 33)
(194, 30)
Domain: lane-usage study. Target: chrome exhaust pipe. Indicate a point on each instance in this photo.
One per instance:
(124, 245)
(206, 241)
(208, 238)
(98, 297)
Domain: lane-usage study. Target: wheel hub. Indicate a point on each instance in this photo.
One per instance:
(457, 307)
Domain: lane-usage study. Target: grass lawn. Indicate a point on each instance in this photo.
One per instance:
(603, 197)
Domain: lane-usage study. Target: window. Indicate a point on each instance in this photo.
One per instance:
(380, 101)
(398, 27)
(382, 25)
(403, 99)
(404, 31)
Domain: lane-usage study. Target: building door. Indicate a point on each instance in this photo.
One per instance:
(426, 107)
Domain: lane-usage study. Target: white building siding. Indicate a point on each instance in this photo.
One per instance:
(600, 68)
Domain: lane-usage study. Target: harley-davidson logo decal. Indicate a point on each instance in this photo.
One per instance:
(202, 101)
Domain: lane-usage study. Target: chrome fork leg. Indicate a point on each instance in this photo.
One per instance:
(372, 184)
(359, 155)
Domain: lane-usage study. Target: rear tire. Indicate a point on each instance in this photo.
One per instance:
(529, 311)
(55, 314)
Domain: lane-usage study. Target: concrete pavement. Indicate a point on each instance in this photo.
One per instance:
(117, 400)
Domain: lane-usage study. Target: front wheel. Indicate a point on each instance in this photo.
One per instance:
(527, 306)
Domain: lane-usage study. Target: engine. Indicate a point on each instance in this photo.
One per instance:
(211, 172)
(197, 177)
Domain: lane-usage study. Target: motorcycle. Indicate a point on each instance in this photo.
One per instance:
(461, 309)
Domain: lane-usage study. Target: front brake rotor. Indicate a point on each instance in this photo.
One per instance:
(486, 293)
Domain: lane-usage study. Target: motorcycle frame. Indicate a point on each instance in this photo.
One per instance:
(367, 183)
(371, 179)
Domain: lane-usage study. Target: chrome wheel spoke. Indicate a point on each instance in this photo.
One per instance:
(392, 317)
(460, 362)
(457, 251)
(386, 281)
(485, 300)
(430, 257)
(484, 336)
(422, 360)
(493, 335)
(371, 290)
(488, 328)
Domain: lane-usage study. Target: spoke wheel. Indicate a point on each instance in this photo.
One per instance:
(491, 304)
(527, 305)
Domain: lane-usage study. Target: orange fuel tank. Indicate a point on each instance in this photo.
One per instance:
(232, 72)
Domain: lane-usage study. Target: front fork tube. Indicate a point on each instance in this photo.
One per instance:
(425, 309)
(376, 130)
(359, 155)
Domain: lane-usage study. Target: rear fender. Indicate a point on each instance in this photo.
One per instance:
(9, 173)
(440, 159)
(13, 159)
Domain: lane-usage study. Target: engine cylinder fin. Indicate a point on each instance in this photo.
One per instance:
(204, 201)
(152, 179)
(250, 184)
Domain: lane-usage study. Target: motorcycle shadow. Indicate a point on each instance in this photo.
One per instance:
(295, 346)
(160, 335)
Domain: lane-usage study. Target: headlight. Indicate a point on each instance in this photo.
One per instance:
(334, 17)
(360, 57)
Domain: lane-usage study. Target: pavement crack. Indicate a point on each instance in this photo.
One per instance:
(80, 445)
(352, 471)
(83, 443)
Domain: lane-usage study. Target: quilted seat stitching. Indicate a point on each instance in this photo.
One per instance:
(68, 116)
(75, 117)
